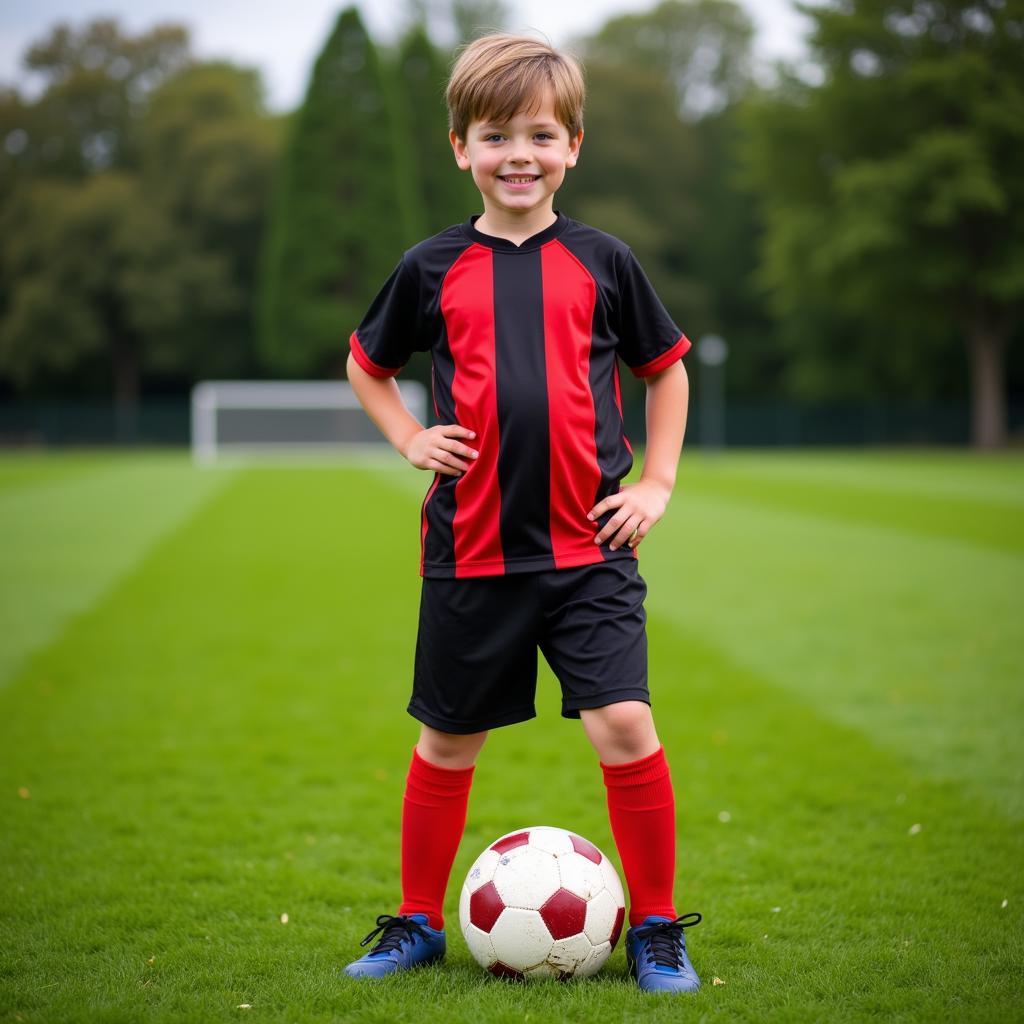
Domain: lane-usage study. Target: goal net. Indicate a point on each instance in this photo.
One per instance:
(287, 419)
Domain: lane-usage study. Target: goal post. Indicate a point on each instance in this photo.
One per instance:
(287, 419)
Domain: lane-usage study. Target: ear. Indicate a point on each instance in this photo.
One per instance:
(459, 148)
(574, 149)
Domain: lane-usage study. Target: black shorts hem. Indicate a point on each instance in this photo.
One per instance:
(572, 709)
(465, 728)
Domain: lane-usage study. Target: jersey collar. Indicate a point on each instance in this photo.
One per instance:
(504, 245)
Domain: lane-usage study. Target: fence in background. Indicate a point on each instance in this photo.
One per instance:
(166, 422)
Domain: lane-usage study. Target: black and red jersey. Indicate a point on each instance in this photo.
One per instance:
(524, 341)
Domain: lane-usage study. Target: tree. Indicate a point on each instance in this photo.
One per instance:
(96, 271)
(95, 83)
(701, 47)
(134, 191)
(661, 148)
(209, 149)
(634, 175)
(340, 211)
(444, 195)
(894, 189)
(474, 17)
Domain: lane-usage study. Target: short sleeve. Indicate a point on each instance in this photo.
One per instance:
(388, 334)
(649, 340)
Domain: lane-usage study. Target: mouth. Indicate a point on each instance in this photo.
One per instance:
(519, 180)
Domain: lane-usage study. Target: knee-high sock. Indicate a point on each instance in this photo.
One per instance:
(433, 817)
(642, 810)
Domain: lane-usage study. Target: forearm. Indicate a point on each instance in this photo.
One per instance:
(381, 399)
(668, 396)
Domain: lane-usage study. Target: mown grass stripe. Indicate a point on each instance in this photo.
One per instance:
(991, 476)
(72, 529)
(910, 638)
(898, 504)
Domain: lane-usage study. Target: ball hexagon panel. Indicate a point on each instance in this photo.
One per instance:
(564, 914)
(568, 954)
(611, 881)
(479, 944)
(601, 914)
(520, 937)
(464, 908)
(526, 877)
(485, 906)
(552, 840)
(482, 870)
(580, 876)
(595, 961)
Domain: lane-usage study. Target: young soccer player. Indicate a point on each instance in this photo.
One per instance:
(527, 538)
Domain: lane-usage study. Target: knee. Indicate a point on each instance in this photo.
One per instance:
(622, 731)
(449, 750)
(627, 720)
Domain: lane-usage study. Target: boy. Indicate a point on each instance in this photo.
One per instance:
(527, 539)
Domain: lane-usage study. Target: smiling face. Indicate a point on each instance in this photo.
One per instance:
(520, 164)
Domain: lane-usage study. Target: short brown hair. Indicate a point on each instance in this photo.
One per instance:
(499, 74)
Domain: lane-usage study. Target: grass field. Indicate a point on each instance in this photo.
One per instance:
(203, 678)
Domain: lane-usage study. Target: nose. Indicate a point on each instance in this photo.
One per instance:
(521, 152)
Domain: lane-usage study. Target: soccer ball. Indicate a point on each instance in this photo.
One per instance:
(541, 902)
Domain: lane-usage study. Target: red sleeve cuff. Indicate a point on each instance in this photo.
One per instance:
(677, 351)
(366, 362)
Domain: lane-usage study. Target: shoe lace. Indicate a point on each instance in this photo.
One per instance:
(396, 931)
(665, 936)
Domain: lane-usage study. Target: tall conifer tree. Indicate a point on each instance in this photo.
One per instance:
(338, 220)
(445, 195)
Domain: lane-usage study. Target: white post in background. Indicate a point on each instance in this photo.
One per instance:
(204, 423)
(712, 352)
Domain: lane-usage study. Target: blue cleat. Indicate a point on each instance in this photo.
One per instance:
(406, 942)
(656, 954)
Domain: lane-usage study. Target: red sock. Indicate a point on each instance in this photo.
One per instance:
(433, 817)
(642, 810)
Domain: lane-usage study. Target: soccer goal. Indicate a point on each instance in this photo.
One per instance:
(287, 419)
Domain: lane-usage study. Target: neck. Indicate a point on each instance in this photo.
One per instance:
(515, 227)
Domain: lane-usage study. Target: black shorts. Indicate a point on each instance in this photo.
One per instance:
(476, 651)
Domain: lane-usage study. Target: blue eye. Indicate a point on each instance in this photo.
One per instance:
(495, 135)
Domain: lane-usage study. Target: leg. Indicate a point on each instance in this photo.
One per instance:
(621, 732)
(434, 817)
(641, 804)
(447, 749)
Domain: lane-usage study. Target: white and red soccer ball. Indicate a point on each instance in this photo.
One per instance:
(542, 902)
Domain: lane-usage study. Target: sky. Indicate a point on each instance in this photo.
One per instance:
(282, 39)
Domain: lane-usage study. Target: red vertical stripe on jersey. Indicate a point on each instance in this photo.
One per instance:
(423, 518)
(467, 304)
(618, 402)
(575, 474)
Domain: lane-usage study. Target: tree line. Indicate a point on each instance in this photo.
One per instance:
(855, 229)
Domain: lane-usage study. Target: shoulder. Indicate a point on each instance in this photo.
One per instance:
(435, 253)
(593, 244)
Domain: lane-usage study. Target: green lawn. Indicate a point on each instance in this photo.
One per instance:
(203, 678)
